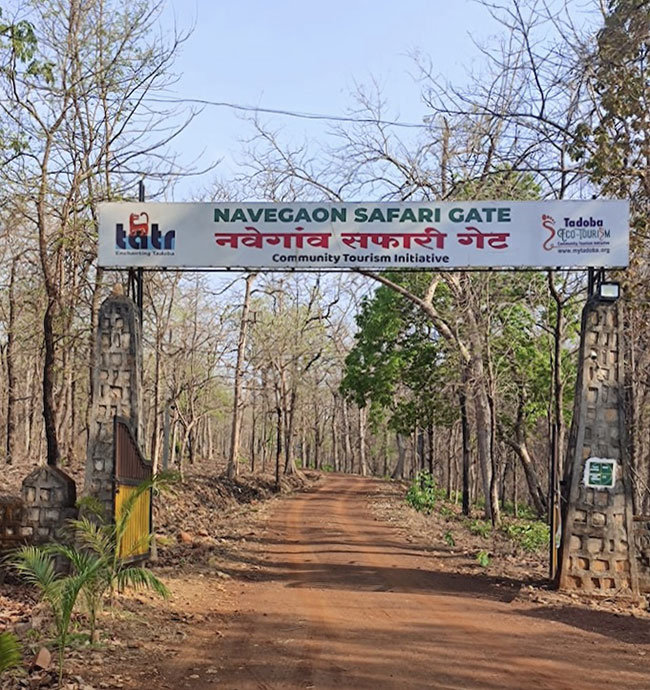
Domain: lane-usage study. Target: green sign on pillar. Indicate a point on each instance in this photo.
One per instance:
(600, 473)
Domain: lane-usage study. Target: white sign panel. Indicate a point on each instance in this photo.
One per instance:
(450, 235)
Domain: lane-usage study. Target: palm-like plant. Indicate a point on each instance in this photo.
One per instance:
(9, 651)
(102, 540)
(97, 566)
(37, 566)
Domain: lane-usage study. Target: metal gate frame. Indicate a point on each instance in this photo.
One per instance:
(130, 470)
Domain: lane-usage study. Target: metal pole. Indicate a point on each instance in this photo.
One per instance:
(165, 457)
(139, 271)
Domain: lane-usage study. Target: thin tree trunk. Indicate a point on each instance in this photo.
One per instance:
(363, 464)
(278, 446)
(398, 472)
(253, 444)
(466, 451)
(335, 440)
(12, 383)
(49, 369)
(348, 457)
(233, 458)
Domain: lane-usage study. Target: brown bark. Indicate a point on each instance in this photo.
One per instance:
(12, 383)
(466, 451)
(233, 457)
(363, 462)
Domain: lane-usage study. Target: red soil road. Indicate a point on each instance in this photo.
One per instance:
(340, 600)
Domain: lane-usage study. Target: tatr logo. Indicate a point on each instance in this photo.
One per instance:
(140, 238)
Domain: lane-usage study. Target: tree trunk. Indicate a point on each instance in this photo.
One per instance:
(537, 493)
(335, 440)
(398, 472)
(49, 369)
(12, 383)
(348, 458)
(233, 457)
(278, 445)
(363, 464)
(466, 452)
(156, 402)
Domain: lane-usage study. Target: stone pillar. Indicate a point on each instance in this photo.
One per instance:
(117, 390)
(597, 554)
(49, 497)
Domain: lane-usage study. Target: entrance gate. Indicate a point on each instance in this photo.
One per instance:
(588, 235)
(131, 470)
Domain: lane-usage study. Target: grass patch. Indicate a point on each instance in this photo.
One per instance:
(526, 531)
(449, 538)
(530, 535)
(479, 528)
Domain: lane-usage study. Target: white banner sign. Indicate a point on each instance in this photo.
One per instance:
(450, 235)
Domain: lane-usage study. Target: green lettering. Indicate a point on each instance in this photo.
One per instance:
(424, 215)
(473, 215)
(254, 215)
(222, 214)
(408, 216)
(238, 216)
(285, 215)
(392, 214)
(270, 215)
(320, 215)
(503, 215)
(488, 214)
(360, 214)
(376, 216)
(456, 215)
(339, 214)
(302, 216)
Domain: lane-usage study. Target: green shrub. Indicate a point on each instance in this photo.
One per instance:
(423, 493)
(531, 535)
(449, 538)
(483, 559)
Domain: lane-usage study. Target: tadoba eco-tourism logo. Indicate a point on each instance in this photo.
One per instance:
(583, 234)
(143, 236)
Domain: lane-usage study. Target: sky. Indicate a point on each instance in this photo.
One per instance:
(308, 56)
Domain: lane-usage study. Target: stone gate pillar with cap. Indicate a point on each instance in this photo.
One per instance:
(597, 553)
(117, 390)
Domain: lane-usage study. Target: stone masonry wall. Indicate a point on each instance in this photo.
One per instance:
(49, 500)
(116, 391)
(597, 554)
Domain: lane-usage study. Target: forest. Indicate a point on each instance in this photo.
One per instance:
(467, 376)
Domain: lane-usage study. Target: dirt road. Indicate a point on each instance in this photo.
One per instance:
(340, 600)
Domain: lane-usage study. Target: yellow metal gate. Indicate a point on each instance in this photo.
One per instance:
(131, 470)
